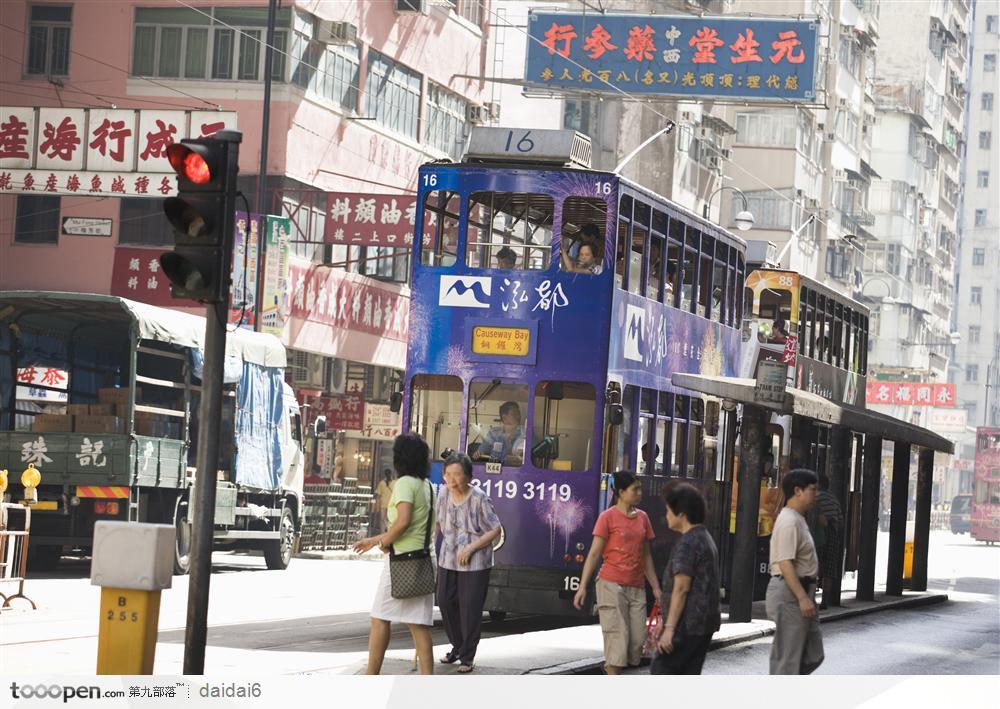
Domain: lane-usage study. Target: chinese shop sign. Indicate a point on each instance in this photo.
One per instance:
(910, 394)
(136, 275)
(243, 271)
(105, 152)
(719, 57)
(345, 412)
(362, 219)
(273, 308)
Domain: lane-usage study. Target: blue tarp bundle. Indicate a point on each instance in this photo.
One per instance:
(259, 403)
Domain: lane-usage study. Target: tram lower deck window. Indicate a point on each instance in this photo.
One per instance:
(563, 428)
(495, 429)
(436, 411)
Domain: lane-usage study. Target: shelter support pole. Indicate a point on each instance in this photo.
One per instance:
(922, 519)
(840, 480)
(897, 517)
(799, 455)
(869, 517)
(752, 446)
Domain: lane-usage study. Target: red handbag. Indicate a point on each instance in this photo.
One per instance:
(652, 632)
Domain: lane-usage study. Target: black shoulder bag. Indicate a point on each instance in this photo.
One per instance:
(411, 574)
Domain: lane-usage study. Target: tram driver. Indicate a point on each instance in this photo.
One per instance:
(504, 443)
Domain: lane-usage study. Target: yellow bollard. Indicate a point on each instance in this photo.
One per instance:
(132, 563)
(908, 560)
(126, 642)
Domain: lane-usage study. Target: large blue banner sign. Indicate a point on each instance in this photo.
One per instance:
(674, 55)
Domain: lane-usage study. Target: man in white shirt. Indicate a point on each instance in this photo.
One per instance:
(798, 644)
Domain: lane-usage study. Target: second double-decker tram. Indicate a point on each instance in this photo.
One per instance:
(551, 305)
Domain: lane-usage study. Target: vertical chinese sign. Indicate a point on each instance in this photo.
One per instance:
(243, 281)
(674, 55)
(277, 233)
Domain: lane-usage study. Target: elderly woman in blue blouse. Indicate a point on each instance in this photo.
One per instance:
(468, 526)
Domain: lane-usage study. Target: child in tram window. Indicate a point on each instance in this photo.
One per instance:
(506, 258)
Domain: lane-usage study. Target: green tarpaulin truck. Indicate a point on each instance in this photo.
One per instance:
(101, 395)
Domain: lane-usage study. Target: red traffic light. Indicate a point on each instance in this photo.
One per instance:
(189, 163)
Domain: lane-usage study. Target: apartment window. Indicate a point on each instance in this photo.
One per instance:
(979, 257)
(392, 95)
(37, 220)
(990, 61)
(850, 56)
(773, 127)
(216, 43)
(986, 101)
(446, 113)
(142, 223)
(770, 210)
(976, 295)
(983, 178)
(837, 262)
(991, 24)
(972, 372)
(980, 217)
(332, 71)
(985, 139)
(48, 40)
(472, 10)
(974, 332)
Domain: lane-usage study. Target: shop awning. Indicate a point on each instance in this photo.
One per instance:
(812, 406)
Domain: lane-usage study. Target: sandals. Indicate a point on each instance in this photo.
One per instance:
(449, 659)
(465, 669)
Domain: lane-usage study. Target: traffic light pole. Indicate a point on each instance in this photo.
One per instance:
(203, 502)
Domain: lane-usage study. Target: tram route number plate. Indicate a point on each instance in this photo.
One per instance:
(510, 341)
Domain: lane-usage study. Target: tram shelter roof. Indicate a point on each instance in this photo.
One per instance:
(813, 406)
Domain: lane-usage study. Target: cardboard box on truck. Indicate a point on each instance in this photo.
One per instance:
(99, 424)
(78, 409)
(117, 395)
(52, 423)
(104, 410)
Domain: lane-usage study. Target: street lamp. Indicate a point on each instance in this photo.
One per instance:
(953, 339)
(743, 219)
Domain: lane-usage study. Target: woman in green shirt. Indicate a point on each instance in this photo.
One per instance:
(410, 511)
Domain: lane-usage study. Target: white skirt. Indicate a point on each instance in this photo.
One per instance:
(418, 610)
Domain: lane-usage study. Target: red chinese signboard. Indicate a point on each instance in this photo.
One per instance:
(360, 219)
(78, 151)
(910, 393)
(345, 412)
(137, 276)
(346, 300)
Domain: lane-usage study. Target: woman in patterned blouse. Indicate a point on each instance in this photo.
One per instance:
(468, 525)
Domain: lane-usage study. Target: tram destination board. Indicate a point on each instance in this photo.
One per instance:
(501, 340)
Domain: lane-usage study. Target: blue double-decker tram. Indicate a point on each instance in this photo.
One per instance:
(551, 305)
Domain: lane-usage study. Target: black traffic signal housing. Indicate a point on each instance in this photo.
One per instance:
(203, 217)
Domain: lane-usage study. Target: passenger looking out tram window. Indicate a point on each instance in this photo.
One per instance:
(587, 261)
(668, 285)
(588, 234)
(506, 258)
(779, 332)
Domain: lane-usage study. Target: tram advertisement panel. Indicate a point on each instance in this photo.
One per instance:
(650, 341)
(487, 326)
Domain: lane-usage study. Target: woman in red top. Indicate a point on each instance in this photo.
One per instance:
(621, 537)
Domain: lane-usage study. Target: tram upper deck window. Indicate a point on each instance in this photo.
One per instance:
(584, 221)
(563, 427)
(719, 281)
(671, 286)
(510, 230)
(439, 245)
(496, 422)
(705, 275)
(436, 410)
(689, 268)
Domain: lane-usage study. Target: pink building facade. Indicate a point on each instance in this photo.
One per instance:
(362, 94)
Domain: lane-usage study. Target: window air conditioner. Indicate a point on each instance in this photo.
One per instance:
(477, 114)
(331, 32)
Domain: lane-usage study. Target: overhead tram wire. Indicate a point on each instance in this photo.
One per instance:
(644, 103)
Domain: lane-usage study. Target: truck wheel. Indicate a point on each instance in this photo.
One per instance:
(182, 542)
(44, 558)
(278, 552)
